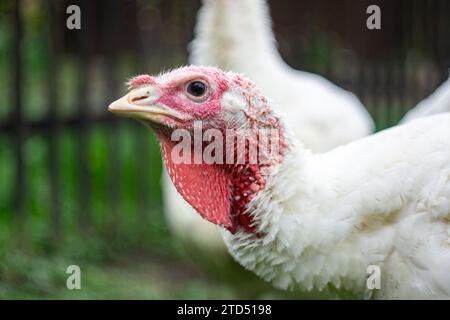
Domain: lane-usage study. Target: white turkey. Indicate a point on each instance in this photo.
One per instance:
(237, 35)
(437, 102)
(295, 218)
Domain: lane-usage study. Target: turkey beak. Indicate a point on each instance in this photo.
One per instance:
(141, 104)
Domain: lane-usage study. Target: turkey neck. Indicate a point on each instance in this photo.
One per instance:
(235, 35)
(297, 243)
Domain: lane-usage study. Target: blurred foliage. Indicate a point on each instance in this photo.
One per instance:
(36, 267)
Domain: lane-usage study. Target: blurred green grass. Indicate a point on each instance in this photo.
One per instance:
(131, 257)
(127, 251)
(31, 277)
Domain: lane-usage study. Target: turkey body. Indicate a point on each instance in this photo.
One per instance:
(303, 220)
(237, 35)
(381, 201)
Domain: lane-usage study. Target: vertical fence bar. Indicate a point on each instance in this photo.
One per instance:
(142, 142)
(114, 163)
(404, 18)
(409, 43)
(395, 67)
(19, 126)
(417, 43)
(360, 87)
(377, 91)
(54, 25)
(83, 126)
(428, 22)
(387, 91)
(445, 9)
(443, 38)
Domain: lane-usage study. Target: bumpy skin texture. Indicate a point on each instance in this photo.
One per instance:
(321, 219)
(230, 186)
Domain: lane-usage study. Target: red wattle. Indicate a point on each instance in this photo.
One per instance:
(204, 186)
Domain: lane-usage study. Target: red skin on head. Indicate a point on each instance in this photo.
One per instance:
(140, 80)
(204, 186)
(173, 93)
(219, 192)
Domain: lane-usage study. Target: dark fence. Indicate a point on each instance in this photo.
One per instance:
(67, 164)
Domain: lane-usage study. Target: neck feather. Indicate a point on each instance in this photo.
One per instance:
(309, 239)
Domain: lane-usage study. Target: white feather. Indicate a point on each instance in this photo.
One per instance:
(383, 200)
(437, 102)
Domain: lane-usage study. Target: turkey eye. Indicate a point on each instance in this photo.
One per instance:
(196, 88)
